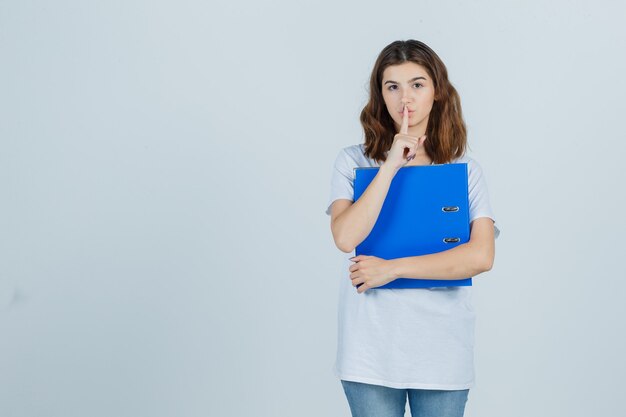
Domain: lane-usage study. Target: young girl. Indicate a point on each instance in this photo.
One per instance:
(415, 342)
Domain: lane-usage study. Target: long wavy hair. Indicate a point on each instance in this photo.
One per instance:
(446, 131)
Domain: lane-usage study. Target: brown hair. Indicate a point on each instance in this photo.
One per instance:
(446, 131)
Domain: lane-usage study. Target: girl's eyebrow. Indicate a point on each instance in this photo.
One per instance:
(412, 79)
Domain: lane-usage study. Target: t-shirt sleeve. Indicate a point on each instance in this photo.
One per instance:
(479, 195)
(341, 181)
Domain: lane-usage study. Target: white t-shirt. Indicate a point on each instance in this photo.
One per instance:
(411, 337)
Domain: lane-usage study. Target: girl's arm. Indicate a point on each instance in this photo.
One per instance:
(351, 222)
(463, 261)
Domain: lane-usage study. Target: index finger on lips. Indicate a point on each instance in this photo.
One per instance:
(404, 128)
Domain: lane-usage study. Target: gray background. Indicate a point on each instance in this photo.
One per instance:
(165, 167)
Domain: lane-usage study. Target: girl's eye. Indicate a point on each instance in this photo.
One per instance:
(392, 86)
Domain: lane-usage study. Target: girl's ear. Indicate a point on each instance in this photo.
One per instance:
(437, 94)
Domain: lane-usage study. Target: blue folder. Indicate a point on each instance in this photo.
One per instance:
(426, 210)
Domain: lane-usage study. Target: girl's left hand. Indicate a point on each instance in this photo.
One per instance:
(370, 271)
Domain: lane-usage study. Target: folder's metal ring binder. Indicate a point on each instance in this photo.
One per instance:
(451, 239)
(450, 209)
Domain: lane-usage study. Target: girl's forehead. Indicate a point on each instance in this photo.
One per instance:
(403, 70)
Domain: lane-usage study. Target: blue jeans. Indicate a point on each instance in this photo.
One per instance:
(368, 400)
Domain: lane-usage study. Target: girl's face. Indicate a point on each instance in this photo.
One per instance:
(408, 83)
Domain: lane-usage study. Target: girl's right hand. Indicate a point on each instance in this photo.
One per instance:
(404, 147)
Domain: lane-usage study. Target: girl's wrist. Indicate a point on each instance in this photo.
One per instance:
(388, 168)
(394, 268)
